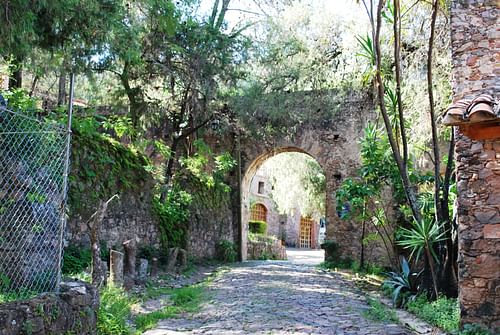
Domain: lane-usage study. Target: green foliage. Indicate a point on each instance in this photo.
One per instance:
(256, 237)
(420, 237)
(120, 125)
(348, 263)
(173, 215)
(207, 168)
(257, 227)
(9, 295)
(379, 312)
(76, 259)
(114, 311)
(297, 180)
(148, 252)
(184, 300)
(401, 284)
(55, 26)
(332, 250)
(473, 329)
(342, 263)
(101, 166)
(443, 312)
(226, 251)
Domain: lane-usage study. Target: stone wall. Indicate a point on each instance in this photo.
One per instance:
(475, 33)
(271, 249)
(214, 214)
(128, 217)
(332, 142)
(72, 311)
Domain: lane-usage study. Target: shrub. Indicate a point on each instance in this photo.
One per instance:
(473, 329)
(172, 215)
(257, 227)
(401, 284)
(252, 237)
(331, 251)
(76, 259)
(114, 311)
(148, 252)
(226, 251)
(443, 312)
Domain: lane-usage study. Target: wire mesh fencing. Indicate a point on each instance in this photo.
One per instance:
(33, 165)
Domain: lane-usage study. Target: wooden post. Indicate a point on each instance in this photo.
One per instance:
(116, 267)
(129, 271)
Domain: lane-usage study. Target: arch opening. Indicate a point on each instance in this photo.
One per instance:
(285, 191)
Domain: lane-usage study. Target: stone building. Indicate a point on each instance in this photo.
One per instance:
(475, 34)
(292, 228)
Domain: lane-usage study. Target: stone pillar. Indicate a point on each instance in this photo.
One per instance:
(475, 34)
(129, 270)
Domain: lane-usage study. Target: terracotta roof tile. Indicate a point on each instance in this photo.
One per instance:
(482, 108)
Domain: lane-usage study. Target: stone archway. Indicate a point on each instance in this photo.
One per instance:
(333, 143)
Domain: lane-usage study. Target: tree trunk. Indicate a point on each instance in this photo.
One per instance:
(33, 85)
(16, 79)
(136, 103)
(98, 268)
(410, 191)
(61, 96)
(362, 260)
(433, 270)
(169, 168)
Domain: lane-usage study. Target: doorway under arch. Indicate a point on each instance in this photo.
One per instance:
(251, 207)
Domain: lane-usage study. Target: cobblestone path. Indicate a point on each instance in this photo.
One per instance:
(279, 298)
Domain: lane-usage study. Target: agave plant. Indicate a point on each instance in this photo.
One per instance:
(401, 282)
(421, 239)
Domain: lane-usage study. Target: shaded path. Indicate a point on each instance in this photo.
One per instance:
(279, 298)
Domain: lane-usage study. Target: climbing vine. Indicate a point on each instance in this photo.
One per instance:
(101, 166)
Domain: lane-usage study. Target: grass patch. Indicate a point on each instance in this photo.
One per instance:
(6, 297)
(443, 312)
(354, 266)
(114, 311)
(184, 300)
(379, 312)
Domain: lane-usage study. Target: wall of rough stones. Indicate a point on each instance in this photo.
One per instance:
(475, 33)
(333, 142)
(214, 214)
(72, 311)
(128, 217)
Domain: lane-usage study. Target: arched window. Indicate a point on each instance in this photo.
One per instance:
(258, 213)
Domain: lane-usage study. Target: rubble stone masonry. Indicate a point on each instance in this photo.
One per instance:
(475, 34)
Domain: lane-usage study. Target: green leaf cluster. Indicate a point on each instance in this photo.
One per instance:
(257, 227)
(173, 216)
(226, 251)
(443, 312)
(101, 166)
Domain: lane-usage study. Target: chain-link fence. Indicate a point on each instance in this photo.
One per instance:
(33, 164)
